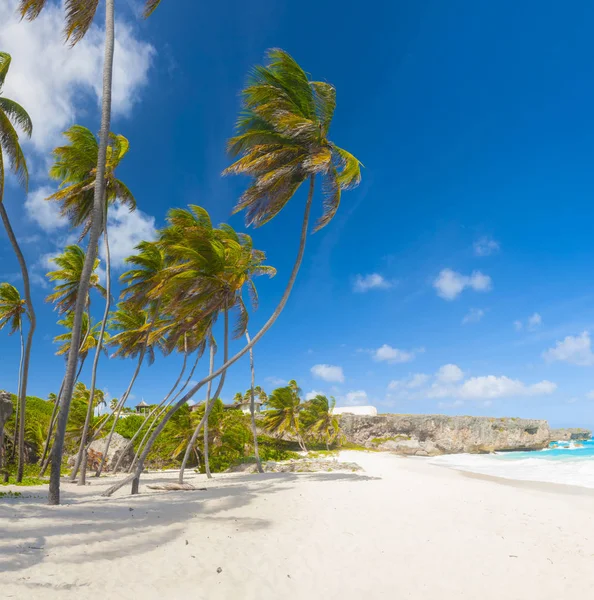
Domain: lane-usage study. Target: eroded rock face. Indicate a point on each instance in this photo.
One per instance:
(118, 445)
(429, 435)
(567, 435)
(5, 408)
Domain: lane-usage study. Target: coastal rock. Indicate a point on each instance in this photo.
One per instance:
(430, 435)
(567, 435)
(118, 445)
(5, 408)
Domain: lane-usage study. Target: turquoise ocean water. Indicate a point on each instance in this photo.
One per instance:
(570, 463)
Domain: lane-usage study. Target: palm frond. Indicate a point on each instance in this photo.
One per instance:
(79, 17)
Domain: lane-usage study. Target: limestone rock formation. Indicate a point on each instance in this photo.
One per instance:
(118, 445)
(567, 435)
(429, 435)
(5, 408)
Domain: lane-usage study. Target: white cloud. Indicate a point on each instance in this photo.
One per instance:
(311, 395)
(356, 398)
(276, 381)
(126, 230)
(411, 382)
(373, 281)
(53, 81)
(45, 214)
(535, 321)
(576, 350)
(449, 374)
(328, 373)
(474, 315)
(486, 246)
(491, 386)
(450, 284)
(391, 355)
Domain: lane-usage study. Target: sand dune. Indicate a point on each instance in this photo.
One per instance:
(402, 529)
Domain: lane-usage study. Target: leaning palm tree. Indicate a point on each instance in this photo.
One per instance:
(75, 166)
(12, 311)
(79, 17)
(282, 141)
(282, 417)
(14, 115)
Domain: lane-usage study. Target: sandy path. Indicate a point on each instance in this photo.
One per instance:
(402, 529)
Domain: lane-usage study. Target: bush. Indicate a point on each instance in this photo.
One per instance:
(128, 426)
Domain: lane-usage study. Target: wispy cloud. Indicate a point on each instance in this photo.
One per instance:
(474, 315)
(450, 284)
(330, 373)
(372, 281)
(486, 246)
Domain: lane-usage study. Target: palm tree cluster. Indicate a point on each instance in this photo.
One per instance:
(178, 286)
(288, 415)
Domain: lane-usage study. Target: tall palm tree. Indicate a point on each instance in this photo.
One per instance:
(14, 115)
(282, 417)
(75, 166)
(253, 406)
(12, 311)
(282, 141)
(79, 17)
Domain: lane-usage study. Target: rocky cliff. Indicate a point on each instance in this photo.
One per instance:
(430, 435)
(567, 435)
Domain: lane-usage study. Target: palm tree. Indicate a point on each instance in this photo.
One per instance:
(113, 403)
(253, 407)
(75, 166)
(12, 310)
(70, 270)
(79, 17)
(139, 335)
(89, 342)
(319, 422)
(282, 141)
(14, 115)
(282, 417)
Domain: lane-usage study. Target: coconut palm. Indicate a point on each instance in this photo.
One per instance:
(69, 272)
(89, 342)
(12, 311)
(282, 417)
(282, 141)
(253, 390)
(78, 19)
(140, 333)
(113, 403)
(318, 421)
(75, 166)
(13, 115)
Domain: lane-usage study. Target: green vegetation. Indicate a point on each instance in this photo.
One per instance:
(394, 438)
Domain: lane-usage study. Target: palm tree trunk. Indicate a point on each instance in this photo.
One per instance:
(16, 415)
(206, 432)
(135, 477)
(208, 404)
(148, 415)
(53, 421)
(95, 232)
(161, 412)
(22, 399)
(253, 408)
(119, 410)
(83, 440)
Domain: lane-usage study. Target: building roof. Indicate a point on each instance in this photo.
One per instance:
(142, 404)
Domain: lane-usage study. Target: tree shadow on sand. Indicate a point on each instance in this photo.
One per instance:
(88, 527)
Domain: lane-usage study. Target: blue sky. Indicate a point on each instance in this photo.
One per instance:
(455, 279)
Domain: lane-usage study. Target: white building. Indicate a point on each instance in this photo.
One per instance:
(369, 411)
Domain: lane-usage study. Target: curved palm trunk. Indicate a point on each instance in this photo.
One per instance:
(95, 232)
(161, 413)
(253, 408)
(275, 315)
(149, 415)
(22, 399)
(208, 404)
(81, 457)
(119, 411)
(16, 415)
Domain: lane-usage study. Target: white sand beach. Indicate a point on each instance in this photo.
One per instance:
(403, 528)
